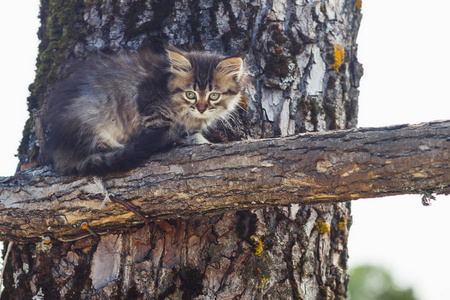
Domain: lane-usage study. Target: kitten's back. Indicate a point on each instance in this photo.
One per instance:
(93, 115)
(113, 112)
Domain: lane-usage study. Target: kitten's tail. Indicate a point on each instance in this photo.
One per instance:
(135, 153)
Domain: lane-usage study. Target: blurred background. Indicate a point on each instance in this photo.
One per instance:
(398, 248)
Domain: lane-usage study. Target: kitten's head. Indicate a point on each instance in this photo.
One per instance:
(205, 87)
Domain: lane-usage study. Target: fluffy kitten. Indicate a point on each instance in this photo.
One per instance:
(113, 112)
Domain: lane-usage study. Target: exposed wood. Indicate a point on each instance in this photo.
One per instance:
(197, 180)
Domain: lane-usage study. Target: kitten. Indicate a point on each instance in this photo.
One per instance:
(113, 112)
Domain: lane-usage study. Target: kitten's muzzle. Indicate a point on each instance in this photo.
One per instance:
(202, 107)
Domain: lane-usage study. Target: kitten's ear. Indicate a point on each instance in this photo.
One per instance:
(233, 66)
(178, 62)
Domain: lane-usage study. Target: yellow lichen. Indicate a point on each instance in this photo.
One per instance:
(264, 281)
(343, 225)
(358, 4)
(258, 245)
(45, 245)
(338, 55)
(322, 227)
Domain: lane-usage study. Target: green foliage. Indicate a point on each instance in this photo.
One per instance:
(375, 283)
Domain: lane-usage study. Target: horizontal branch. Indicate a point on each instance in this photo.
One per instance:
(197, 180)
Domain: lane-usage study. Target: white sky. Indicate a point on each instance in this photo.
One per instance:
(404, 48)
(18, 29)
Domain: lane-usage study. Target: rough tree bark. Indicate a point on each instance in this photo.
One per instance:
(192, 182)
(302, 58)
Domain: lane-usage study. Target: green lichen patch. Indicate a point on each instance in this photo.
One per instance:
(310, 107)
(279, 62)
(277, 34)
(330, 113)
(62, 26)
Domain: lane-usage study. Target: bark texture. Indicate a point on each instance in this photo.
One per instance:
(191, 182)
(302, 58)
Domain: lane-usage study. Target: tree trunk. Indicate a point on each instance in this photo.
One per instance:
(302, 58)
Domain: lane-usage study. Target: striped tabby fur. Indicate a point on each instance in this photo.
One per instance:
(113, 112)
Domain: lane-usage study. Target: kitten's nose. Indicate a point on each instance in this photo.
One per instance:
(201, 107)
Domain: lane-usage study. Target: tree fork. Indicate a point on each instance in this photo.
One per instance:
(195, 181)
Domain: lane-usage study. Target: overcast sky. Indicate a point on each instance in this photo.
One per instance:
(404, 48)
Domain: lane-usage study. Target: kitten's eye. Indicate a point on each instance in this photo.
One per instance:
(191, 95)
(214, 96)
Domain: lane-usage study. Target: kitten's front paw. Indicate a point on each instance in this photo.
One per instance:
(197, 138)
